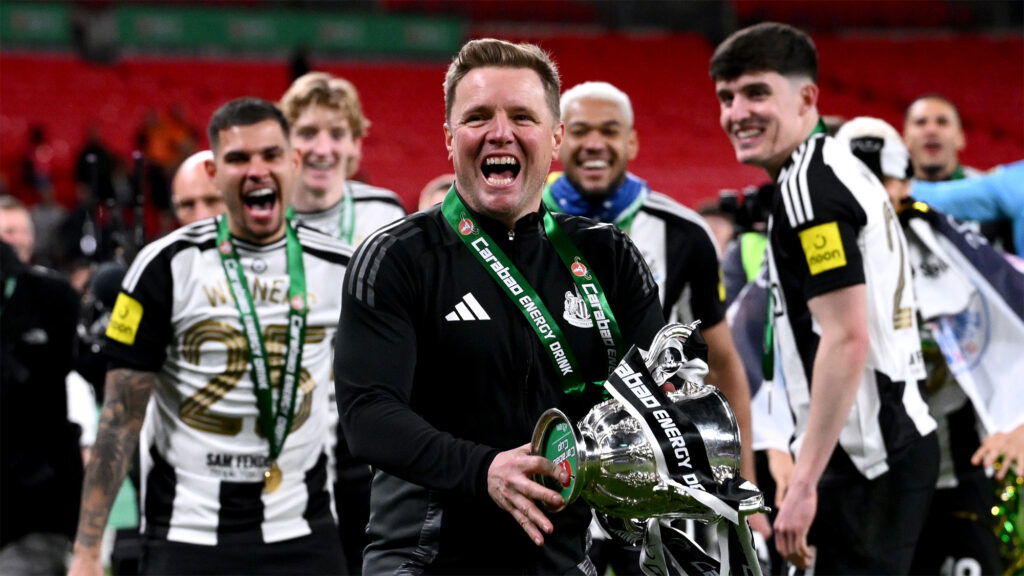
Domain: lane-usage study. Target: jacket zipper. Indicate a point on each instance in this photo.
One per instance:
(528, 336)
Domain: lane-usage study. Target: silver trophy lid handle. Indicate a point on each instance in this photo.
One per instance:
(666, 357)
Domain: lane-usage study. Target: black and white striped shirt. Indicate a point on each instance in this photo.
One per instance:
(203, 457)
(832, 227)
(679, 248)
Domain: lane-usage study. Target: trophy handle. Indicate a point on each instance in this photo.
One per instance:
(665, 356)
(628, 530)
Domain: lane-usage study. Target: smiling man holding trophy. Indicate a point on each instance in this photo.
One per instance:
(463, 323)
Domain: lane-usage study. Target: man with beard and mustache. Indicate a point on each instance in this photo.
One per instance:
(220, 346)
(934, 135)
(679, 248)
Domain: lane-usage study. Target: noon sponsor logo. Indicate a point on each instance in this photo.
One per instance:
(823, 247)
(823, 257)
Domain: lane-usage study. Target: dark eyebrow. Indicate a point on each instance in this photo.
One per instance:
(755, 86)
(481, 109)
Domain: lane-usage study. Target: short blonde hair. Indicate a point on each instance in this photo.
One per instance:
(322, 89)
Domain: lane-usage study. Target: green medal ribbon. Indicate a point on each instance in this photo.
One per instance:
(9, 285)
(589, 288)
(522, 294)
(275, 426)
(768, 347)
(346, 217)
(623, 222)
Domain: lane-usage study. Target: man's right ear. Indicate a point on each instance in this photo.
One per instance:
(448, 140)
(211, 168)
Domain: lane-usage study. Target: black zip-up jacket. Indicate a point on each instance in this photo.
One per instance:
(437, 371)
(40, 459)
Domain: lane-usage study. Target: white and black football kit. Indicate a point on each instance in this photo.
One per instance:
(832, 227)
(373, 208)
(203, 455)
(438, 370)
(680, 251)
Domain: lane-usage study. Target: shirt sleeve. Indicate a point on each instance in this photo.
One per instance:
(375, 360)
(140, 324)
(707, 286)
(823, 245)
(636, 307)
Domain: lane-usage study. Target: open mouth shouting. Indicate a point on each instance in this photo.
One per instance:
(260, 203)
(933, 147)
(500, 170)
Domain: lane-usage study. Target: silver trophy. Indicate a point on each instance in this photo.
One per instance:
(612, 462)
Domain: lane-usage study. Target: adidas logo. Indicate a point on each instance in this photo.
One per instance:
(467, 309)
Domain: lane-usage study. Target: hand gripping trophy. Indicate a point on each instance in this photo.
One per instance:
(645, 459)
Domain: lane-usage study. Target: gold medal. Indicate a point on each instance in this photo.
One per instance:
(272, 478)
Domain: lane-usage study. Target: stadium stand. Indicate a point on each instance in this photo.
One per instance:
(683, 152)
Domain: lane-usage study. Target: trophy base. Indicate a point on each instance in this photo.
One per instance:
(555, 438)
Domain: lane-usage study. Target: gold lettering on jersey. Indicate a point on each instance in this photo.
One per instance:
(275, 291)
(216, 294)
(823, 248)
(278, 291)
(259, 290)
(125, 319)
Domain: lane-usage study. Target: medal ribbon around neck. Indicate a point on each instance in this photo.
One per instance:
(9, 286)
(275, 425)
(768, 344)
(346, 216)
(496, 262)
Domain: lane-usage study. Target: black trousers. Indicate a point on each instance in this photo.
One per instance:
(317, 553)
(872, 526)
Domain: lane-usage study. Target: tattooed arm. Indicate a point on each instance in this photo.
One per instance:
(127, 393)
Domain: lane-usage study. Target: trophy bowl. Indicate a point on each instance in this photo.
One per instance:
(610, 461)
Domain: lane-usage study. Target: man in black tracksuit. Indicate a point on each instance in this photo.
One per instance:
(462, 324)
(40, 459)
